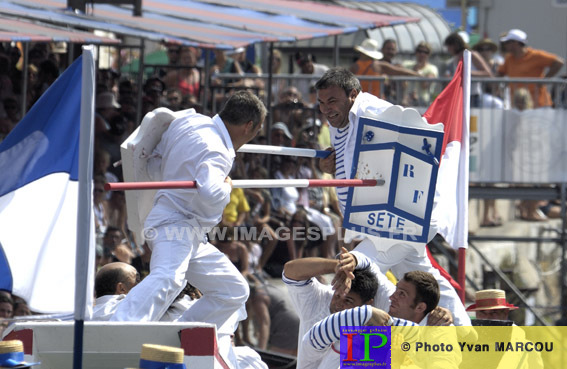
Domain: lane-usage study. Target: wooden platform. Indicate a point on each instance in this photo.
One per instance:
(115, 345)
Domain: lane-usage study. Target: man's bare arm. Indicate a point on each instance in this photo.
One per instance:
(305, 268)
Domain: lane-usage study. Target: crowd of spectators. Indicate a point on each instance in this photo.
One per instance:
(261, 229)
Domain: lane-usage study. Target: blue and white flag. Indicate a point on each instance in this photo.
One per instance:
(39, 166)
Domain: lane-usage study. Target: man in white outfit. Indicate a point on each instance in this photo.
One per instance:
(342, 103)
(200, 148)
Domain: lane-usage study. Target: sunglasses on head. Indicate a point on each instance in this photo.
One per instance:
(422, 51)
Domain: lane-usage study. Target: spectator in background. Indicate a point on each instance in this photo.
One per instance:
(21, 307)
(311, 71)
(153, 94)
(6, 87)
(529, 209)
(173, 52)
(491, 92)
(285, 199)
(248, 68)
(100, 206)
(260, 216)
(188, 78)
(6, 306)
(489, 52)
(525, 62)
(12, 110)
(174, 99)
(106, 107)
(236, 210)
(290, 108)
(277, 84)
(12, 117)
(6, 310)
(15, 73)
(280, 134)
(456, 46)
(382, 66)
(492, 305)
(388, 66)
(419, 93)
(365, 65)
(48, 72)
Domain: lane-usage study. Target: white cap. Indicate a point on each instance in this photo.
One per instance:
(238, 50)
(283, 127)
(465, 36)
(515, 35)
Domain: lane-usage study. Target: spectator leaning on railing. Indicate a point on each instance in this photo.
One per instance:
(525, 62)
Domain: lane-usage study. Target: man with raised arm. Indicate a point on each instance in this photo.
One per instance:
(200, 148)
(343, 104)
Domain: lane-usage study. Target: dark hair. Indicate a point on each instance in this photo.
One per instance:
(454, 39)
(8, 299)
(242, 107)
(340, 77)
(111, 229)
(389, 41)
(365, 284)
(49, 68)
(107, 280)
(426, 288)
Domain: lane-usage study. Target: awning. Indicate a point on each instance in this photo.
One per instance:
(12, 29)
(211, 23)
(431, 27)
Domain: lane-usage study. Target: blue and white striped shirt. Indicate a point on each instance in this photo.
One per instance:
(343, 140)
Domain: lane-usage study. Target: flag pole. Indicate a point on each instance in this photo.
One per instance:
(464, 172)
(85, 235)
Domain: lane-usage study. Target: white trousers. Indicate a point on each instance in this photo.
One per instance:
(402, 258)
(180, 255)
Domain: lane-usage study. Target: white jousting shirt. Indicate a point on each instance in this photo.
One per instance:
(206, 157)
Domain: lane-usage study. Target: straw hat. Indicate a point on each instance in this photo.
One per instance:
(486, 43)
(161, 357)
(106, 100)
(490, 300)
(12, 355)
(369, 47)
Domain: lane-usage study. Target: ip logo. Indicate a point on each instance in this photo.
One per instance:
(366, 347)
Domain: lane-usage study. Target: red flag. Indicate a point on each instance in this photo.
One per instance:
(450, 208)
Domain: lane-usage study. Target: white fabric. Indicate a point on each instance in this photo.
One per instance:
(289, 195)
(323, 221)
(49, 206)
(198, 148)
(177, 309)
(311, 301)
(105, 306)
(247, 358)
(193, 147)
(175, 260)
